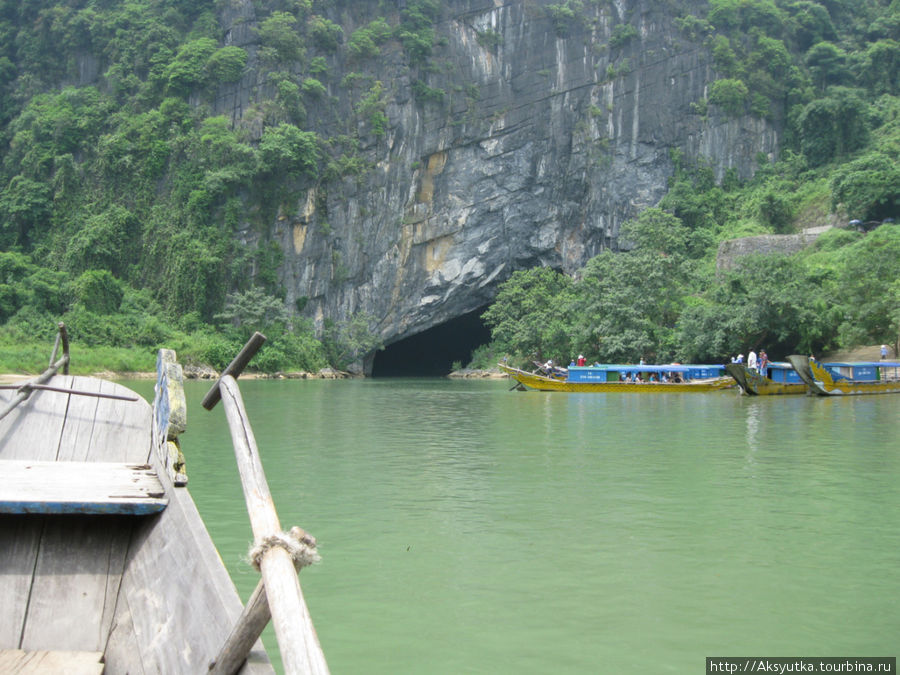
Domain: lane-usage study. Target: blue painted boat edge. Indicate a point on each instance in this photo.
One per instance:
(144, 507)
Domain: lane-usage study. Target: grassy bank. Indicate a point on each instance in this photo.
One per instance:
(33, 358)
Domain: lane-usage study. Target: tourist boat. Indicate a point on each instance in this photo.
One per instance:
(614, 379)
(107, 566)
(780, 378)
(846, 379)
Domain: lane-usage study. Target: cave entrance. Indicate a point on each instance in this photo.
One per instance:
(431, 352)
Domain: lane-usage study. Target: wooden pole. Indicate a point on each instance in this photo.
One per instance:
(246, 632)
(235, 368)
(297, 640)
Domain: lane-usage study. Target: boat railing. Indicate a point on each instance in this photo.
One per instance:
(278, 555)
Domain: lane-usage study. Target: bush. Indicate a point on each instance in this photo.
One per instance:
(869, 188)
(312, 87)
(188, 70)
(218, 351)
(278, 36)
(326, 35)
(226, 65)
(622, 34)
(287, 151)
(730, 95)
(99, 291)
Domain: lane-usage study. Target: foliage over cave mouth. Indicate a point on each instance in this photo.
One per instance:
(432, 352)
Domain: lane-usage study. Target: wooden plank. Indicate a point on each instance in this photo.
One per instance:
(123, 653)
(33, 429)
(76, 581)
(19, 537)
(105, 430)
(79, 487)
(177, 595)
(75, 439)
(125, 431)
(20, 662)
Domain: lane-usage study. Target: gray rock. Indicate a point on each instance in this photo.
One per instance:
(537, 152)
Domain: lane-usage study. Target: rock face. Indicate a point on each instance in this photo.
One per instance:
(527, 141)
(767, 244)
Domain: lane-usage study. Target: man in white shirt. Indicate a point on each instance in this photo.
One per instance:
(751, 360)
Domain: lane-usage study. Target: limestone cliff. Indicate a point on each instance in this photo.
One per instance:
(525, 142)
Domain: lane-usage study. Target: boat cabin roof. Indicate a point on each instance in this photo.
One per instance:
(645, 368)
(862, 364)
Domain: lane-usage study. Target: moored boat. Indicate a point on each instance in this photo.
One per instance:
(779, 379)
(848, 379)
(609, 379)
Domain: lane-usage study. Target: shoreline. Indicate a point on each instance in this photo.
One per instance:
(194, 373)
(325, 374)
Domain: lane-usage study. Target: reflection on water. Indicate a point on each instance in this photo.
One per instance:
(467, 528)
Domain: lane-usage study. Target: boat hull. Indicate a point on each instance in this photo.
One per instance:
(821, 382)
(150, 592)
(541, 383)
(755, 384)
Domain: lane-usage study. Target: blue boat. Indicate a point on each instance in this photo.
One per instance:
(848, 378)
(631, 378)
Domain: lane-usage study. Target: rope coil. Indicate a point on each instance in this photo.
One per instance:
(298, 542)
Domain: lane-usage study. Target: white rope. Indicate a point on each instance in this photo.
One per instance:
(299, 543)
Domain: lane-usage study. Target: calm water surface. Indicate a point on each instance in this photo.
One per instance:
(467, 528)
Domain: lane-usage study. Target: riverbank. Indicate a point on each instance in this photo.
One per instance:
(476, 374)
(195, 373)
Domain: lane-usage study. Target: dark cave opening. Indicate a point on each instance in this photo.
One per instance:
(431, 352)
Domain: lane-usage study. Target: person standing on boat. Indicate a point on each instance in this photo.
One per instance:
(883, 352)
(763, 362)
(751, 360)
(581, 360)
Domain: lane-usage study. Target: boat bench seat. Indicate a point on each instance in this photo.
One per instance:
(20, 662)
(80, 487)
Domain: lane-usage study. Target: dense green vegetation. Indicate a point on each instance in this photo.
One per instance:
(126, 203)
(123, 200)
(655, 302)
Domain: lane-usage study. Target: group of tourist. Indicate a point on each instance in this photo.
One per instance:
(652, 377)
(758, 364)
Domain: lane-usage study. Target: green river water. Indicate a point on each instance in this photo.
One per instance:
(466, 528)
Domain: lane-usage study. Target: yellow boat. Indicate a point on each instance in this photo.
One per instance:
(848, 379)
(596, 379)
(779, 379)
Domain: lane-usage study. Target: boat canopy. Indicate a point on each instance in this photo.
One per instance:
(862, 364)
(863, 371)
(634, 367)
(782, 372)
